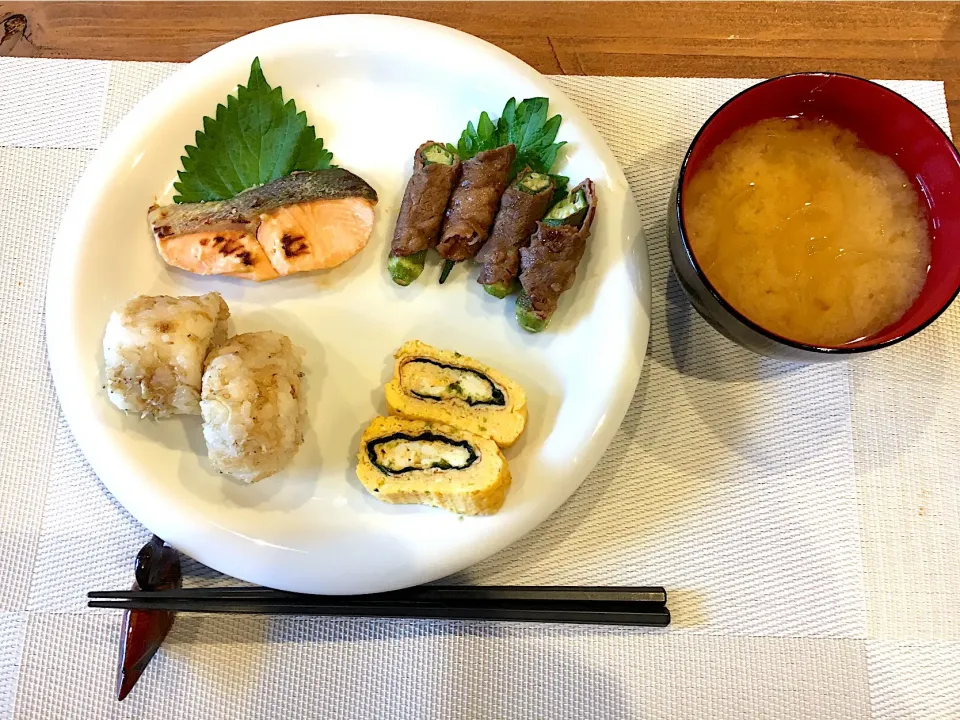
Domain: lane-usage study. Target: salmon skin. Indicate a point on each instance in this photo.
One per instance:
(303, 221)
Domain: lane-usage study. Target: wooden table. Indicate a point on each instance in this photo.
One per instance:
(714, 39)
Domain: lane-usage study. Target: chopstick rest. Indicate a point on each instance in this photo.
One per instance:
(157, 568)
(149, 612)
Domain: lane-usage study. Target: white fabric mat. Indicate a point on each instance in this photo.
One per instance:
(805, 520)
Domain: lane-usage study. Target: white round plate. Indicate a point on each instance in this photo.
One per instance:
(375, 88)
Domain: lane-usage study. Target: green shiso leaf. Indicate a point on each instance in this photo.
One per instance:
(524, 124)
(252, 140)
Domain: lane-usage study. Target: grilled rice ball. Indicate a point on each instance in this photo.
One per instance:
(253, 407)
(154, 349)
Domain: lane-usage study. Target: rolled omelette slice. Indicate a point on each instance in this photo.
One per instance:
(406, 461)
(445, 386)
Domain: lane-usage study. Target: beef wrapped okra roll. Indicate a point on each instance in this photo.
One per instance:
(432, 384)
(549, 265)
(435, 172)
(523, 204)
(474, 203)
(408, 461)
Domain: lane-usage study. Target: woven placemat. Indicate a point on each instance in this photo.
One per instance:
(805, 520)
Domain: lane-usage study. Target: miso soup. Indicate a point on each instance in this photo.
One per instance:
(807, 232)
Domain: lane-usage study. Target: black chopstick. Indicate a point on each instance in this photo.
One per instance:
(446, 593)
(603, 606)
(649, 618)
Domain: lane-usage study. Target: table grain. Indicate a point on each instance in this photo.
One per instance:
(896, 40)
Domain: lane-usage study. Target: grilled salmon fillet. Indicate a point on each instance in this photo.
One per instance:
(304, 221)
(232, 250)
(315, 235)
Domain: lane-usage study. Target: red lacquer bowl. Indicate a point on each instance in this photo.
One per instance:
(885, 122)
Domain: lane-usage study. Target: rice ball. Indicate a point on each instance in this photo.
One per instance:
(154, 349)
(252, 405)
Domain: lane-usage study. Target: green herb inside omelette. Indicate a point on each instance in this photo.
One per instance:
(254, 139)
